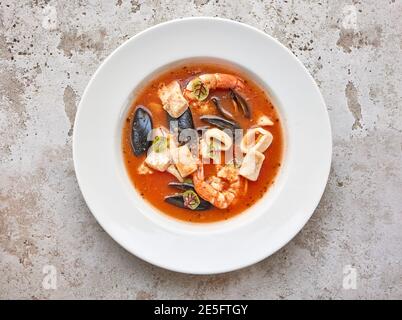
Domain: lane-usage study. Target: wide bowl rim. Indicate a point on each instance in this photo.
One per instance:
(279, 244)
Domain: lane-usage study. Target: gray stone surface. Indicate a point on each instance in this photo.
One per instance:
(50, 49)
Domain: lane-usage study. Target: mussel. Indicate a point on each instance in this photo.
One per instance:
(221, 123)
(181, 124)
(141, 127)
(240, 101)
(181, 185)
(185, 121)
(178, 201)
(216, 101)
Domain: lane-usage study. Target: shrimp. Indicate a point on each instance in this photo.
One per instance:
(198, 88)
(220, 190)
(221, 81)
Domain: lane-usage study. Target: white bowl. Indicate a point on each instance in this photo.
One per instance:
(202, 248)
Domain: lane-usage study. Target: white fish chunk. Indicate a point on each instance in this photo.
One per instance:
(184, 160)
(158, 160)
(173, 170)
(172, 99)
(159, 157)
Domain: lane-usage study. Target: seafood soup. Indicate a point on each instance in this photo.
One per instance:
(202, 142)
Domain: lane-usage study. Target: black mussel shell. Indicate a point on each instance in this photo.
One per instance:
(181, 124)
(240, 101)
(177, 200)
(220, 122)
(216, 101)
(181, 185)
(141, 127)
(185, 121)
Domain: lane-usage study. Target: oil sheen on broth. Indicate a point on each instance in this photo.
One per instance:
(154, 187)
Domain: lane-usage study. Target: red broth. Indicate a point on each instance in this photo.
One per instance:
(154, 187)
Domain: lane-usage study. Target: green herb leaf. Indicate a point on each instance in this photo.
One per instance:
(160, 144)
(191, 200)
(199, 89)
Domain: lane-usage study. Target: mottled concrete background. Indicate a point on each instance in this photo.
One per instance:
(50, 49)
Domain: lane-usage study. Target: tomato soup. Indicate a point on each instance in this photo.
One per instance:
(223, 201)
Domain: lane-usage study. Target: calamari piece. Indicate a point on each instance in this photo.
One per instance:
(184, 160)
(143, 169)
(172, 99)
(264, 121)
(217, 135)
(251, 166)
(257, 139)
(173, 170)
